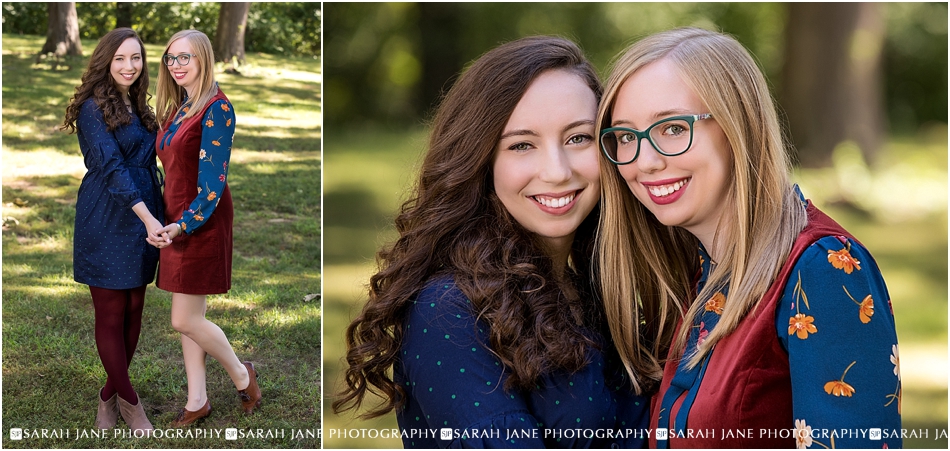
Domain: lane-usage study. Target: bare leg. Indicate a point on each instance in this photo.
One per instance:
(195, 372)
(188, 318)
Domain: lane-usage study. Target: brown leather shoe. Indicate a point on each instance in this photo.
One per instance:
(250, 396)
(186, 417)
(108, 414)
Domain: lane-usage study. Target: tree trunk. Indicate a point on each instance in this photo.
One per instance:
(123, 14)
(62, 30)
(229, 37)
(441, 57)
(832, 83)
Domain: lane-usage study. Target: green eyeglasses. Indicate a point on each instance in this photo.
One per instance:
(182, 59)
(670, 137)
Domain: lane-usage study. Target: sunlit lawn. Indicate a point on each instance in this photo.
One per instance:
(902, 219)
(51, 372)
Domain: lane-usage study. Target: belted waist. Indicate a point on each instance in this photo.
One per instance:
(157, 176)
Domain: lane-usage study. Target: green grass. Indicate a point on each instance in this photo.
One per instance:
(897, 208)
(51, 372)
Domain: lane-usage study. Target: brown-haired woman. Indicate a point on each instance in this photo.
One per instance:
(118, 202)
(194, 145)
(484, 308)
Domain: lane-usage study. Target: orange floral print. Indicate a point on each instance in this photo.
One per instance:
(716, 303)
(225, 107)
(216, 142)
(228, 123)
(801, 325)
(212, 195)
(199, 218)
(867, 310)
(840, 387)
(209, 123)
(843, 260)
(185, 109)
(865, 307)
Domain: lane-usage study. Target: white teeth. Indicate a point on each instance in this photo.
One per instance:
(555, 203)
(666, 190)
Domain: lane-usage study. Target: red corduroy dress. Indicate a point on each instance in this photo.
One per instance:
(200, 262)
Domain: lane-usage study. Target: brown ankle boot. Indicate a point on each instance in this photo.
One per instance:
(134, 416)
(250, 396)
(108, 414)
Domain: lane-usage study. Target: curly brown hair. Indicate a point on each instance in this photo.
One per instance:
(97, 82)
(455, 225)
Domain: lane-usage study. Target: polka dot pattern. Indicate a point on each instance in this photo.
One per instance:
(460, 384)
(109, 247)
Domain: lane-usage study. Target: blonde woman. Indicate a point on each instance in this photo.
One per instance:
(778, 319)
(194, 144)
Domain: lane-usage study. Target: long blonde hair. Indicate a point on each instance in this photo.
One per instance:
(169, 95)
(761, 216)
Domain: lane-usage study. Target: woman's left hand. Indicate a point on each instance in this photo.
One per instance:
(156, 233)
(161, 237)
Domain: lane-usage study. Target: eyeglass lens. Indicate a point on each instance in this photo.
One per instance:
(182, 59)
(669, 138)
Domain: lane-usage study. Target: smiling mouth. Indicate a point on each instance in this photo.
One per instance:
(127, 76)
(179, 75)
(555, 202)
(666, 190)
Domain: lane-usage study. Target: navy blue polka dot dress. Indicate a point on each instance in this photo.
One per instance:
(455, 386)
(109, 248)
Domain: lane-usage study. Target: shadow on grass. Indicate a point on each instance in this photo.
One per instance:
(51, 370)
(260, 139)
(251, 86)
(52, 373)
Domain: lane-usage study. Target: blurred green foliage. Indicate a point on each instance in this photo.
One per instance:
(388, 63)
(278, 28)
(915, 64)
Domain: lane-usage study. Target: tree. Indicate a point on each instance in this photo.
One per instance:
(440, 49)
(62, 30)
(229, 37)
(123, 14)
(832, 83)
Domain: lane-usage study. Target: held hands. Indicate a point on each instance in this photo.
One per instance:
(161, 237)
(156, 237)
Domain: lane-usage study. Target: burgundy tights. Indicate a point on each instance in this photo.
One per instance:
(118, 322)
